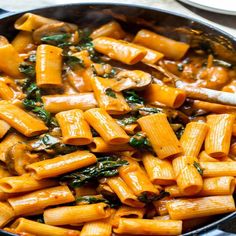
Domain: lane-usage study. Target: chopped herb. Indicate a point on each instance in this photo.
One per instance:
(48, 142)
(140, 141)
(127, 120)
(92, 200)
(33, 102)
(57, 39)
(110, 92)
(103, 168)
(150, 110)
(72, 61)
(84, 36)
(27, 69)
(198, 167)
(150, 197)
(86, 43)
(132, 97)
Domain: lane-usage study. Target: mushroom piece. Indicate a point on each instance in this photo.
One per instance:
(51, 29)
(133, 79)
(18, 156)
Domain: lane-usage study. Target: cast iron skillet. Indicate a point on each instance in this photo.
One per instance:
(132, 18)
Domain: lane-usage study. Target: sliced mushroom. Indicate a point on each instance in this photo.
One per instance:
(133, 79)
(51, 29)
(18, 156)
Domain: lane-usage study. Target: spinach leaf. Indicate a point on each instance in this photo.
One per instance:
(132, 97)
(86, 43)
(147, 197)
(150, 110)
(140, 141)
(198, 167)
(109, 92)
(33, 102)
(27, 69)
(72, 61)
(127, 121)
(49, 142)
(103, 168)
(57, 39)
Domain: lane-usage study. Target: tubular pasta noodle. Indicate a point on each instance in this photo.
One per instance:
(35, 202)
(149, 227)
(193, 138)
(21, 120)
(124, 193)
(96, 228)
(7, 213)
(98, 145)
(217, 169)
(159, 171)
(204, 157)
(213, 186)
(127, 212)
(75, 129)
(61, 164)
(6, 93)
(161, 135)
(75, 214)
(106, 126)
(21, 41)
(171, 97)
(182, 209)
(30, 22)
(10, 61)
(57, 103)
(111, 29)
(119, 50)
(48, 65)
(160, 205)
(188, 178)
(169, 47)
(4, 127)
(78, 80)
(24, 183)
(135, 177)
(217, 141)
(113, 105)
(22, 225)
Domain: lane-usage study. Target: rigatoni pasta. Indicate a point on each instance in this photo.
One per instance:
(105, 131)
(218, 139)
(161, 135)
(75, 130)
(103, 123)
